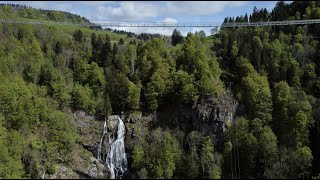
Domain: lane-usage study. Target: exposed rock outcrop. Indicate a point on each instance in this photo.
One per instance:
(89, 130)
(209, 115)
(95, 170)
(85, 165)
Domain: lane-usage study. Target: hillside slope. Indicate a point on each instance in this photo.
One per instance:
(244, 102)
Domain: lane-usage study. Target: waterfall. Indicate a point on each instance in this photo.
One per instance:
(116, 159)
(105, 127)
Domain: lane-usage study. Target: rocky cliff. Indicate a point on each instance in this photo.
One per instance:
(209, 116)
(85, 165)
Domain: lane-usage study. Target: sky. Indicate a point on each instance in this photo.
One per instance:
(153, 11)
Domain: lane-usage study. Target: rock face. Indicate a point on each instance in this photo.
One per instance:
(86, 166)
(215, 113)
(210, 115)
(112, 123)
(63, 172)
(95, 170)
(90, 131)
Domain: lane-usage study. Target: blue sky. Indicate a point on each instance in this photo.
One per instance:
(154, 11)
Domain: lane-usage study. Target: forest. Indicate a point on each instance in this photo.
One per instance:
(48, 72)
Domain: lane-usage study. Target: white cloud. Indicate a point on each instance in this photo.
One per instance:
(136, 10)
(123, 11)
(59, 6)
(62, 7)
(169, 20)
(34, 4)
(94, 3)
(143, 11)
(189, 8)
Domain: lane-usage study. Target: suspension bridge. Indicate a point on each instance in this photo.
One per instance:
(164, 25)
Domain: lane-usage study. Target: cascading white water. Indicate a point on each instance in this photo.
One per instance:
(116, 157)
(105, 128)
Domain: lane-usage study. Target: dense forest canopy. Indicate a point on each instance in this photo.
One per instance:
(47, 72)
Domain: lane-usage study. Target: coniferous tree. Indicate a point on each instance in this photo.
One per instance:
(176, 37)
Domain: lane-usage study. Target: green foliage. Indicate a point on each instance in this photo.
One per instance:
(291, 164)
(160, 157)
(256, 96)
(294, 73)
(78, 36)
(291, 115)
(268, 143)
(81, 69)
(95, 78)
(280, 114)
(36, 71)
(47, 75)
(176, 37)
(81, 97)
(61, 92)
(193, 160)
(138, 157)
(268, 148)
(134, 95)
(117, 87)
(10, 153)
(164, 167)
(257, 50)
(106, 53)
(184, 86)
(121, 41)
(47, 71)
(209, 168)
(195, 60)
(303, 158)
(241, 140)
(159, 85)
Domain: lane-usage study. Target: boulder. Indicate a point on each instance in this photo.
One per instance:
(112, 123)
